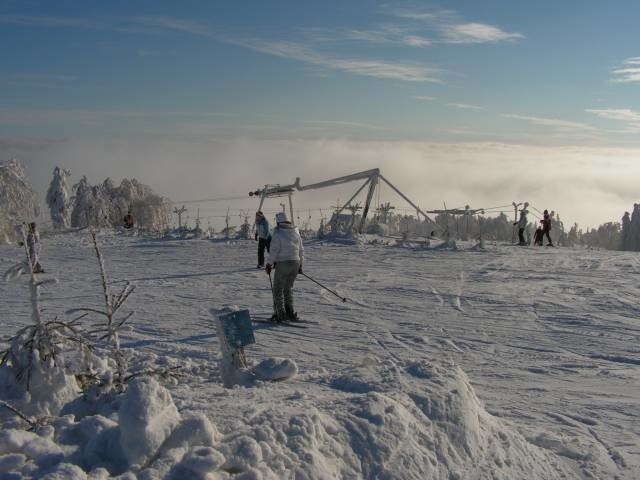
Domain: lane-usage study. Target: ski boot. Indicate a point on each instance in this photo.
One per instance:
(291, 315)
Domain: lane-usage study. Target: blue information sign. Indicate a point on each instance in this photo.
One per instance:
(237, 328)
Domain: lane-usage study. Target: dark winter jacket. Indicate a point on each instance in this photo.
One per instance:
(262, 228)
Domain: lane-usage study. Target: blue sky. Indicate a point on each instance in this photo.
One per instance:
(543, 74)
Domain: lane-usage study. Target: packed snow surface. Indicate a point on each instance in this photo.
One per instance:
(494, 363)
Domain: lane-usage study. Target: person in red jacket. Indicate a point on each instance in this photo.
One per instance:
(128, 220)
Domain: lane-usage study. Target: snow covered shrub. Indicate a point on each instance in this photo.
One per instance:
(18, 199)
(33, 367)
(58, 198)
(105, 205)
(109, 331)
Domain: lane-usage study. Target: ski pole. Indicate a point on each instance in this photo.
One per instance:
(344, 299)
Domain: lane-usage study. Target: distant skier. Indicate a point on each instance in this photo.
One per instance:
(262, 236)
(522, 225)
(286, 256)
(128, 220)
(33, 243)
(546, 228)
(537, 237)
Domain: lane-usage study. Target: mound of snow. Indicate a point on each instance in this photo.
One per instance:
(275, 369)
(147, 418)
(50, 387)
(386, 420)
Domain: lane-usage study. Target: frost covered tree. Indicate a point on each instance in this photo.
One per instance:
(18, 199)
(58, 198)
(634, 232)
(105, 205)
(625, 243)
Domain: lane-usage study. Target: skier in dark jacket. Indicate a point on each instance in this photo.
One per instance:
(262, 236)
(546, 227)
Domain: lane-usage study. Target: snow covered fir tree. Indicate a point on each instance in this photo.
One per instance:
(58, 199)
(106, 205)
(18, 200)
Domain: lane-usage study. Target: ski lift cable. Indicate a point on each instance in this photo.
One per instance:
(536, 209)
(205, 200)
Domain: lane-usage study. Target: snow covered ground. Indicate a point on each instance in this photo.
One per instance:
(510, 363)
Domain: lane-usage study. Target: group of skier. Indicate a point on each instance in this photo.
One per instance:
(541, 231)
(285, 257)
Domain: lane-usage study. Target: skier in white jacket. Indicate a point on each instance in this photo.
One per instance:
(285, 255)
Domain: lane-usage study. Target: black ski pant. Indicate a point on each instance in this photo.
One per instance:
(546, 232)
(262, 244)
(521, 236)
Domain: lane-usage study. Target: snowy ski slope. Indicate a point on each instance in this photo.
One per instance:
(504, 363)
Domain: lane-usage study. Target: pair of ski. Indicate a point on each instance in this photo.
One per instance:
(298, 324)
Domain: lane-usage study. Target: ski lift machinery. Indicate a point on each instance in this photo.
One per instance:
(371, 179)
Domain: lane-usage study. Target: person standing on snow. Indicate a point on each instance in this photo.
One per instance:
(262, 236)
(522, 225)
(128, 220)
(286, 256)
(546, 227)
(33, 243)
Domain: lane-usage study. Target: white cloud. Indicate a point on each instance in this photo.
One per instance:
(416, 41)
(628, 72)
(552, 122)
(343, 123)
(477, 33)
(46, 21)
(171, 23)
(428, 15)
(382, 35)
(465, 131)
(370, 68)
(622, 114)
(465, 106)
(425, 98)
(284, 49)
(451, 29)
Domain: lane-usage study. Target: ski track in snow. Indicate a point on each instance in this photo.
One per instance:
(549, 337)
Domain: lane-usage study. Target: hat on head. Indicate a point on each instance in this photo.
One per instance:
(281, 217)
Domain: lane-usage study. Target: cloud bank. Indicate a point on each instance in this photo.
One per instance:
(589, 185)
